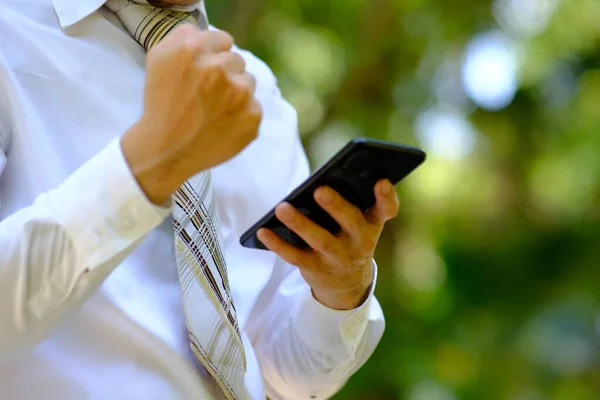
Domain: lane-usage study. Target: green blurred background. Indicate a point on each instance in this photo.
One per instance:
(489, 277)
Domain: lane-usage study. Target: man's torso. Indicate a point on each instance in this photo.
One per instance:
(63, 96)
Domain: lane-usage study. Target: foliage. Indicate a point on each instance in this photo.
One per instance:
(489, 277)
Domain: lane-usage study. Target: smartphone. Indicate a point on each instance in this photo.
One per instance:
(353, 172)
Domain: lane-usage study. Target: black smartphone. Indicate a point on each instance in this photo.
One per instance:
(352, 172)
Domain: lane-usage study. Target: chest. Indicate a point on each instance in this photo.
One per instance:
(69, 92)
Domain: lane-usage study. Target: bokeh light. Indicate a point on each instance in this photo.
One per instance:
(490, 70)
(524, 17)
(431, 391)
(445, 133)
(422, 268)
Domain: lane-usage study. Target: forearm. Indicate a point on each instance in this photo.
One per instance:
(305, 349)
(55, 253)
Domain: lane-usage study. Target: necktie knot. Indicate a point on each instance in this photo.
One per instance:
(148, 24)
(117, 5)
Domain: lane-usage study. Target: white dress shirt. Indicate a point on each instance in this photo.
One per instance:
(90, 306)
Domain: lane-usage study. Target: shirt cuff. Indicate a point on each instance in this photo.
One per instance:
(102, 205)
(333, 332)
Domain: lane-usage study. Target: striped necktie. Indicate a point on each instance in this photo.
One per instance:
(212, 324)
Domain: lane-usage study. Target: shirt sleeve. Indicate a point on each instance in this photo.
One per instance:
(56, 252)
(340, 332)
(305, 350)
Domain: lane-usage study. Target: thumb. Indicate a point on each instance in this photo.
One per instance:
(387, 203)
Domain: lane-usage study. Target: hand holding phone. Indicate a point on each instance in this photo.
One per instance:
(353, 173)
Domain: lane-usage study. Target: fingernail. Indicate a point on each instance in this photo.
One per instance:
(387, 188)
(326, 195)
(286, 213)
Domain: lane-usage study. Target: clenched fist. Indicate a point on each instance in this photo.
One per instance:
(199, 111)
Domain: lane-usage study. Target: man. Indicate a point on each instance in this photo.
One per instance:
(108, 215)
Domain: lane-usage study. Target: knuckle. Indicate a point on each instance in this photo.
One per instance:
(189, 47)
(226, 56)
(275, 245)
(218, 40)
(254, 117)
(211, 67)
(294, 259)
(362, 236)
(224, 35)
(296, 223)
(250, 77)
(328, 245)
(244, 93)
(182, 32)
(238, 59)
(353, 217)
(357, 215)
(211, 61)
(205, 37)
(255, 113)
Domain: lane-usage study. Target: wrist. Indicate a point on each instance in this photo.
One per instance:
(153, 176)
(344, 300)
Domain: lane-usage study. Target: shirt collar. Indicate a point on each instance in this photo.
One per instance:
(70, 12)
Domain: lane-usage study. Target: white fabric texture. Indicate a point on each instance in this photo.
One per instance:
(90, 303)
